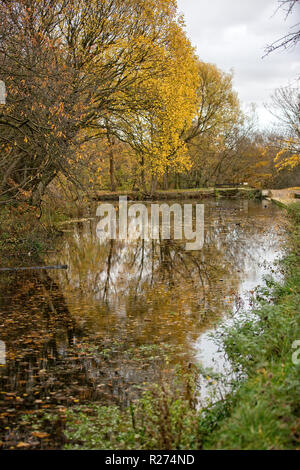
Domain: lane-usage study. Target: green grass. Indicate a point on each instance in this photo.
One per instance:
(21, 231)
(28, 229)
(238, 192)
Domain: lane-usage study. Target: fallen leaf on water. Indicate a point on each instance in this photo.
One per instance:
(22, 445)
(40, 435)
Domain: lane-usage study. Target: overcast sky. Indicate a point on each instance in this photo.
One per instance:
(233, 35)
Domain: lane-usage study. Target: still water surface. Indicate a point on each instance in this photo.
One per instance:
(124, 313)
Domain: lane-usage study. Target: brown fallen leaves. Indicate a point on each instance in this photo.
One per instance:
(40, 435)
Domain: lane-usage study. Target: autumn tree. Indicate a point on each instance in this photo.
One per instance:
(286, 108)
(68, 67)
(155, 130)
(215, 124)
(292, 38)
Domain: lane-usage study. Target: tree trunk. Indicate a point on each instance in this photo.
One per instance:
(153, 184)
(38, 192)
(166, 180)
(112, 169)
(143, 174)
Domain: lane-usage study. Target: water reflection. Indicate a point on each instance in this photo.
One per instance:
(125, 312)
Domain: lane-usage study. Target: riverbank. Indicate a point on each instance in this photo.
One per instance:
(283, 197)
(27, 232)
(23, 235)
(203, 193)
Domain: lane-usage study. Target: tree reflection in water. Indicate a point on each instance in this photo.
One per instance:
(106, 325)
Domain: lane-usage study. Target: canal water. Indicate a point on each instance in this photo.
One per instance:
(125, 313)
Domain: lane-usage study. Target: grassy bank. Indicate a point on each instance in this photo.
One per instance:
(23, 235)
(27, 231)
(261, 412)
(171, 194)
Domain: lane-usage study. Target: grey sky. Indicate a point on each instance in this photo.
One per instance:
(233, 34)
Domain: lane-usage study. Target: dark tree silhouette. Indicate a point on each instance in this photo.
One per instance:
(292, 38)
